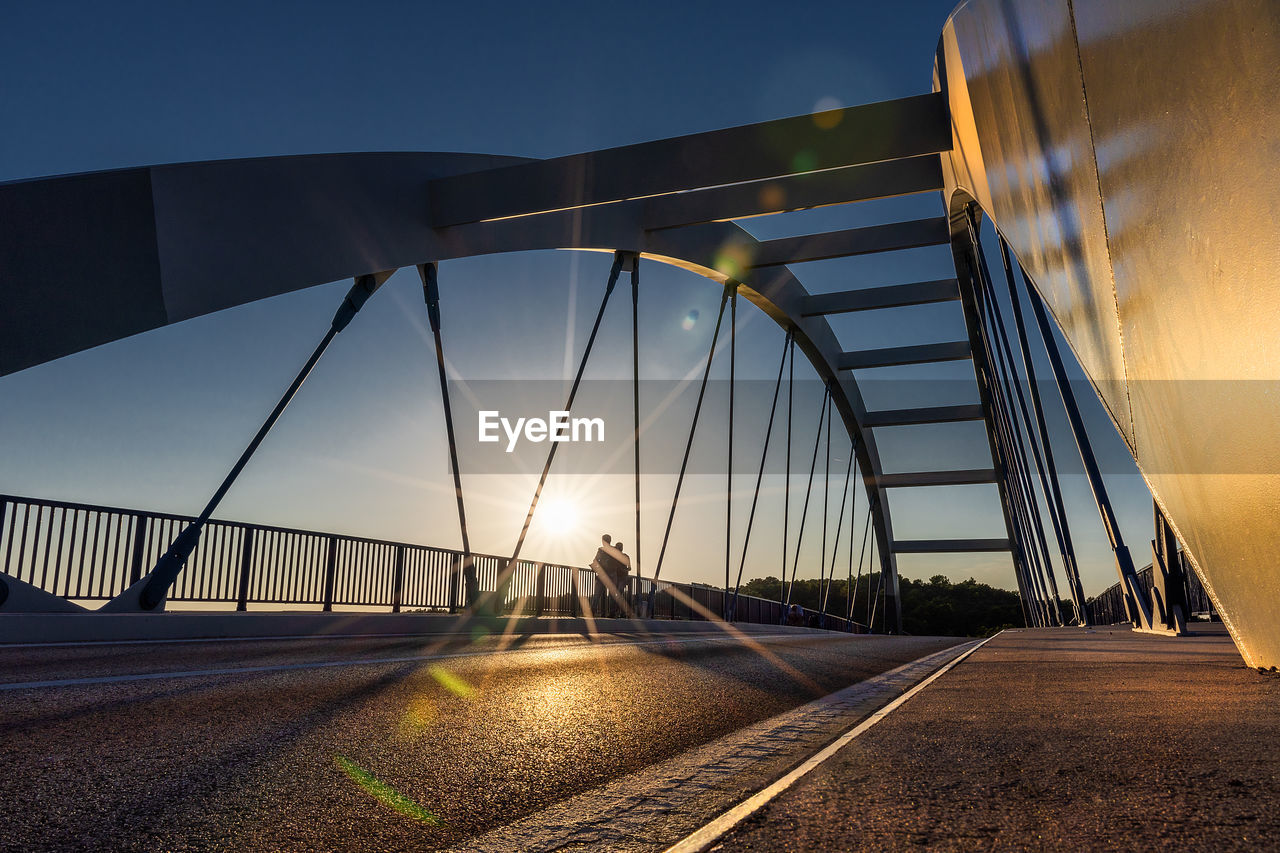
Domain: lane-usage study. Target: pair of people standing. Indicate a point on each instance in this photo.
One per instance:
(613, 566)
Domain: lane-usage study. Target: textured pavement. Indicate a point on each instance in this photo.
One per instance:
(650, 809)
(375, 744)
(1063, 739)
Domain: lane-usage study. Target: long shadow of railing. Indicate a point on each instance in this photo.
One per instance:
(88, 553)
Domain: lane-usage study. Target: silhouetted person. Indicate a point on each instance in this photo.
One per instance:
(605, 566)
(622, 580)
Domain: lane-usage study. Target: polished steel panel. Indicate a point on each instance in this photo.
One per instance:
(1024, 151)
(1129, 153)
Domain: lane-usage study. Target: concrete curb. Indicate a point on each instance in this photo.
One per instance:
(31, 628)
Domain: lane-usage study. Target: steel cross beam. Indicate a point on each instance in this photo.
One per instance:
(871, 133)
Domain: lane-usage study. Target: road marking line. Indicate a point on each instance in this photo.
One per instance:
(703, 838)
(284, 667)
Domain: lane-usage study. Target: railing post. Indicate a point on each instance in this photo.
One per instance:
(330, 573)
(455, 567)
(540, 591)
(141, 524)
(397, 582)
(575, 608)
(246, 566)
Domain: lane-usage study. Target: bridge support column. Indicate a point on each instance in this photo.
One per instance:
(1169, 582)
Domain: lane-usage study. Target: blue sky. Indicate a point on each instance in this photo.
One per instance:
(154, 421)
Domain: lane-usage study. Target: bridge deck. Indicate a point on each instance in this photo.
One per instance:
(1063, 738)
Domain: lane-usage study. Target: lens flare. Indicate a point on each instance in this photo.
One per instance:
(827, 113)
(733, 260)
(452, 682)
(804, 161)
(417, 716)
(690, 320)
(772, 197)
(384, 793)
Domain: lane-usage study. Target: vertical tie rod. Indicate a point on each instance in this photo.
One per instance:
(808, 492)
(1136, 603)
(688, 447)
(1057, 505)
(755, 496)
(431, 295)
(505, 575)
(728, 484)
(635, 400)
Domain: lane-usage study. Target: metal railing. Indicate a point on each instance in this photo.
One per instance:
(1107, 608)
(89, 553)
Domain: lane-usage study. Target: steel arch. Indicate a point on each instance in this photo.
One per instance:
(162, 244)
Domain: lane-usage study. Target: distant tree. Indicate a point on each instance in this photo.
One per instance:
(934, 607)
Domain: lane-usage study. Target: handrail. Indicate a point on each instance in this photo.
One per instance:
(90, 552)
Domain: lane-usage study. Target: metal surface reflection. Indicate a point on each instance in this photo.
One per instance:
(1127, 153)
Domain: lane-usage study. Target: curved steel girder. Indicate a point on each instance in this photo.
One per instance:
(98, 257)
(92, 258)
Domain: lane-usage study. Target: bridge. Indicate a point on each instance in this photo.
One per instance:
(402, 693)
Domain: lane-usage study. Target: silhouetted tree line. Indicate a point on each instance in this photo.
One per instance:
(933, 607)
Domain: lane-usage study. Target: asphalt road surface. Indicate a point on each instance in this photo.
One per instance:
(372, 744)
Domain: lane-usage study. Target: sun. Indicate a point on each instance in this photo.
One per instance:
(560, 517)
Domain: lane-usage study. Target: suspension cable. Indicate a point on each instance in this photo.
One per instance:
(875, 601)
(1031, 508)
(635, 400)
(870, 545)
(808, 492)
(693, 429)
(862, 550)
(786, 480)
(1024, 556)
(431, 295)
(157, 582)
(1052, 487)
(1006, 356)
(835, 548)
(507, 571)
(826, 515)
(853, 513)
(728, 485)
(755, 496)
